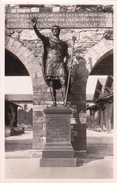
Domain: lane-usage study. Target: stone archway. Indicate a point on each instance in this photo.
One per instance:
(96, 52)
(104, 66)
(31, 63)
(28, 59)
(22, 53)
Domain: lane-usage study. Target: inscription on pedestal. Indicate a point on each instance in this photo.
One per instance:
(57, 130)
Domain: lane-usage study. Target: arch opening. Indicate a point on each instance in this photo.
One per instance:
(104, 66)
(13, 66)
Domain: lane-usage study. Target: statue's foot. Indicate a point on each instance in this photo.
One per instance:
(65, 104)
(54, 104)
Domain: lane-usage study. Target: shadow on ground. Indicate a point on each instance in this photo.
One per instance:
(97, 148)
(17, 143)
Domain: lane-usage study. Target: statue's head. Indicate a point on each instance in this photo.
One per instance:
(55, 30)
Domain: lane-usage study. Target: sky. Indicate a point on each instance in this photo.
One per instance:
(23, 85)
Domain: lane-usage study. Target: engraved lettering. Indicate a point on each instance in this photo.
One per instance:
(57, 130)
(68, 20)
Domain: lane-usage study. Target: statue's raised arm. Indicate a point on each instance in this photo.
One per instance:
(39, 35)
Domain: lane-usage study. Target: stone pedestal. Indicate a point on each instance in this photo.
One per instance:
(58, 151)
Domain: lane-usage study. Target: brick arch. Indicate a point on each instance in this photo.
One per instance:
(24, 55)
(96, 52)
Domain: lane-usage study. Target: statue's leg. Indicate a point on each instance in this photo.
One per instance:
(63, 88)
(53, 93)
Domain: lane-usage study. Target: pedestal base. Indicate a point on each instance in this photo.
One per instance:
(58, 151)
(58, 162)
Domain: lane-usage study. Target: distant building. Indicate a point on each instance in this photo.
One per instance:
(18, 111)
(101, 113)
(11, 113)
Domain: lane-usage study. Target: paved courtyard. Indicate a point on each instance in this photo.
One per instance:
(20, 162)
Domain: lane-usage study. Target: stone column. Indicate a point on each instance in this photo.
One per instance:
(107, 117)
(101, 118)
(104, 117)
(109, 113)
(58, 151)
(92, 119)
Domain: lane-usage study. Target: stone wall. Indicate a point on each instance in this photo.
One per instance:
(24, 44)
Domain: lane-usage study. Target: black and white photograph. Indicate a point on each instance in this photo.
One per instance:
(58, 91)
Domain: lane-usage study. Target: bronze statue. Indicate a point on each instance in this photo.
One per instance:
(55, 59)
